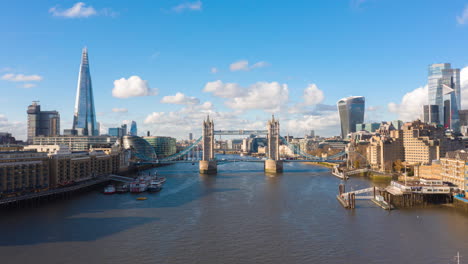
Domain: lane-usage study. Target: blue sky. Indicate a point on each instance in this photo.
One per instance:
(239, 61)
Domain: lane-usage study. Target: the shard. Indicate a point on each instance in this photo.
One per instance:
(84, 119)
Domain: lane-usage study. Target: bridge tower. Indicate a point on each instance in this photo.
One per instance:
(273, 163)
(208, 164)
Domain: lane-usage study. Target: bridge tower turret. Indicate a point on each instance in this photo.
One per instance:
(208, 163)
(273, 163)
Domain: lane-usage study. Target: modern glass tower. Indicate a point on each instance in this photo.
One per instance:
(133, 129)
(351, 110)
(84, 119)
(440, 75)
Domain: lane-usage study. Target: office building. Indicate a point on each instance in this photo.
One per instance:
(118, 131)
(397, 124)
(351, 111)
(84, 119)
(369, 127)
(77, 143)
(163, 146)
(133, 129)
(451, 117)
(431, 114)
(190, 136)
(42, 123)
(141, 150)
(7, 139)
(442, 75)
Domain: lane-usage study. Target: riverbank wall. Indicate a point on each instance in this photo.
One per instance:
(461, 202)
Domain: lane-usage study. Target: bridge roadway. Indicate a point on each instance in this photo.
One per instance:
(234, 160)
(240, 132)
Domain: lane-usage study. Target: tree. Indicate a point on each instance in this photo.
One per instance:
(356, 164)
(397, 165)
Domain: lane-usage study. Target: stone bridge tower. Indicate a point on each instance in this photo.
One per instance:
(273, 163)
(208, 163)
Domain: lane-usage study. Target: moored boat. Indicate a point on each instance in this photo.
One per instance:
(109, 189)
(154, 187)
(122, 188)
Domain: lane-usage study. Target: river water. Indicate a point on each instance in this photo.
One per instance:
(240, 215)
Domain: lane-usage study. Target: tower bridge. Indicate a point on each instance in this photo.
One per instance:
(208, 164)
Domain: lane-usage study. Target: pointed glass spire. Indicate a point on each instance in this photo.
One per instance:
(84, 119)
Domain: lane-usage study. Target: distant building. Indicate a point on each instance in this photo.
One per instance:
(190, 136)
(84, 118)
(369, 127)
(431, 114)
(133, 129)
(351, 111)
(441, 76)
(384, 150)
(6, 139)
(397, 124)
(118, 131)
(141, 150)
(77, 143)
(463, 115)
(424, 143)
(42, 123)
(163, 146)
(451, 118)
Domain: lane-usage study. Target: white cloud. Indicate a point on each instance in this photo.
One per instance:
(224, 90)
(464, 87)
(313, 95)
(411, 104)
(243, 65)
(180, 98)
(325, 124)
(260, 64)
(119, 110)
(16, 128)
(463, 19)
(132, 87)
(265, 96)
(193, 6)
(77, 10)
(261, 95)
(214, 70)
(21, 77)
(372, 108)
(29, 85)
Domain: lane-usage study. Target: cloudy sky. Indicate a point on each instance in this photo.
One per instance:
(167, 64)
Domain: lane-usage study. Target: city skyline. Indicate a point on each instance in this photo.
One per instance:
(167, 86)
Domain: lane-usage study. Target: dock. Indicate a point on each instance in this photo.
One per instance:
(64, 192)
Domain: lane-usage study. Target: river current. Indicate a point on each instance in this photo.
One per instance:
(240, 215)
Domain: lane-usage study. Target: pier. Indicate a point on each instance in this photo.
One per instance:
(32, 199)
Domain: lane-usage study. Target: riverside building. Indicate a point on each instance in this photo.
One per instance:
(77, 143)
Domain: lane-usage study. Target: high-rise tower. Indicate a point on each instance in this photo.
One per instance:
(442, 76)
(84, 119)
(351, 110)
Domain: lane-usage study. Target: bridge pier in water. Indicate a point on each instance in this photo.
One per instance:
(208, 164)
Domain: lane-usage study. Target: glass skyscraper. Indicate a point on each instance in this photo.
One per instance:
(84, 119)
(442, 76)
(351, 110)
(133, 129)
(42, 123)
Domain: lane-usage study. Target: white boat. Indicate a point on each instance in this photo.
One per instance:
(139, 185)
(110, 189)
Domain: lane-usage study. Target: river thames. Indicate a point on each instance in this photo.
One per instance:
(240, 215)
